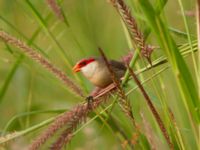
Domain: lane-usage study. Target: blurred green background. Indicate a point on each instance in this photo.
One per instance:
(26, 86)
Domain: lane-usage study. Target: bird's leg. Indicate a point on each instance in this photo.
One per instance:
(90, 98)
(99, 92)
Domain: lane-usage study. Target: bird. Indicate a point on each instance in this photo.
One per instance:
(97, 72)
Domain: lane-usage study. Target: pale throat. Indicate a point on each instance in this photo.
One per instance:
(89, 69)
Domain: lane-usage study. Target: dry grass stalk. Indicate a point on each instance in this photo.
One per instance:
(64, 138)
(124, 103)
(41, 60)
(67, 134)
(174, 123)
(71, 119)
(55, 8)
(134, 31)
(152, 108)
(151, 137)
(62, 120)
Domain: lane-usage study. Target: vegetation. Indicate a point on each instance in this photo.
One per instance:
(43, 103)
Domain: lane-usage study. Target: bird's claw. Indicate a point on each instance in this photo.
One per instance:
(89, 100)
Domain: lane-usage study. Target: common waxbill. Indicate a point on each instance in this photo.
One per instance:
(96, 71)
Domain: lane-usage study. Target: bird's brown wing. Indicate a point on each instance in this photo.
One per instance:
(117, 65)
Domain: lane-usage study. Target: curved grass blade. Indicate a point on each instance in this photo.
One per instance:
(11, 136)
(180, 69)
(9, 77)
(26, 38)
(189, 38)
(181, 72)
(14, 118)
(44, 25)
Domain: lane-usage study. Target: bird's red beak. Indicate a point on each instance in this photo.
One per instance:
(76, 68)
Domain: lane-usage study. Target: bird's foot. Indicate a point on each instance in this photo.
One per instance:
(89, 100)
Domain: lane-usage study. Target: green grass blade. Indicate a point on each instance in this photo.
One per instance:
(183, 77)
(55, 41)
(189, 37)
(22, 35)
(24, 114)
(178, 32)
(9, 77)
(17, 134)
(160, 4)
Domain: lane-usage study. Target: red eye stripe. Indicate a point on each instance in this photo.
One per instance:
(84, 62)
(90, 60)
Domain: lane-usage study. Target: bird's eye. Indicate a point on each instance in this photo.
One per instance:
(83, 63)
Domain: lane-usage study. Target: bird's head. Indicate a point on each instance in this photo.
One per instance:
(84, 63)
